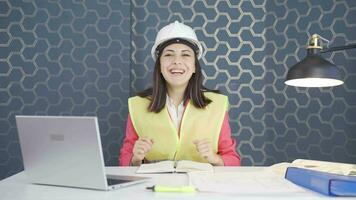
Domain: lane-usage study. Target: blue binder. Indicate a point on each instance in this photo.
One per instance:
(322, 182)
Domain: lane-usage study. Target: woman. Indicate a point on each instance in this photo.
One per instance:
(178, 118)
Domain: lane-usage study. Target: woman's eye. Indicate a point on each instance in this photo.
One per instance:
(166, 55)
(187, 55)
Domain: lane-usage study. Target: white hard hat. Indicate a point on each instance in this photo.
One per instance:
(173, 31)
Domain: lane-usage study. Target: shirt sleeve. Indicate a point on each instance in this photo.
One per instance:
(128, 144)
(227, 145)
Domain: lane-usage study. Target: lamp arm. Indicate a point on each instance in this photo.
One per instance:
(350, 46)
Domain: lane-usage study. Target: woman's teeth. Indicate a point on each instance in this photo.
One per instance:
(177, 71)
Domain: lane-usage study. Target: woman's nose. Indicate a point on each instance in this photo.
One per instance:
(177, 60)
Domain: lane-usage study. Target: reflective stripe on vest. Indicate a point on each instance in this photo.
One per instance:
(196, 124)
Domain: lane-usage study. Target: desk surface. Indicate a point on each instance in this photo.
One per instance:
(16, 187)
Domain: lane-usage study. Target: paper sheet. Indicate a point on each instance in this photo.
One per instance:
(242, 183)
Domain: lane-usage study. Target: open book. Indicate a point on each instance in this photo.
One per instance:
(174, 166)
(323, 166)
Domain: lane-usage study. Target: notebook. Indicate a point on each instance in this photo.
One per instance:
(170, 166)
(66, 151)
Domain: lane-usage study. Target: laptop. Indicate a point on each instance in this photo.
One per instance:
(66, 151)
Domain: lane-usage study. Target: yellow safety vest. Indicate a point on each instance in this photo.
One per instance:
(196, 123)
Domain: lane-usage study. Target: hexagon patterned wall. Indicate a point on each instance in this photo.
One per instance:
(63, 58)
(87, 57)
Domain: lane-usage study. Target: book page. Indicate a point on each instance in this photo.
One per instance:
(324, 166)
(191, 166)
(158, 167)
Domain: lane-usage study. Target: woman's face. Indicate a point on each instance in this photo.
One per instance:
(177, 64)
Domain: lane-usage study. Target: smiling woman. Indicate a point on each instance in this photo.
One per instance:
(178, 118)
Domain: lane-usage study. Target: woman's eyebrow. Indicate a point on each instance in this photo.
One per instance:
(186, 50)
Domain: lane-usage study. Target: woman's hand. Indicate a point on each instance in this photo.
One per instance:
(141, 148)
(204, 148)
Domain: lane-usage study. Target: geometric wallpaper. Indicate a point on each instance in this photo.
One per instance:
(63, 58)
(85, 58)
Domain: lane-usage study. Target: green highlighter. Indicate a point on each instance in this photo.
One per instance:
(161, 188)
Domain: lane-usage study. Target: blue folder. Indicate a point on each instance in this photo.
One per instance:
(322, 182)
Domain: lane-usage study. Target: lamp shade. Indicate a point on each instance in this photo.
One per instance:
(314, 71)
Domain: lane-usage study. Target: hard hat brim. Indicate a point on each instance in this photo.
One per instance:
(154, 48)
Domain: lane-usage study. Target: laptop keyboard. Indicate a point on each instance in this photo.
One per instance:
(116, 181)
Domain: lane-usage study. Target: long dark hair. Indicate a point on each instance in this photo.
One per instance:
(194, 91)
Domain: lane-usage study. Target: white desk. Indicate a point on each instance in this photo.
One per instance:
(15, 187)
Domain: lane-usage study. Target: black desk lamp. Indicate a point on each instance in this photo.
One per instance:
(313, 70)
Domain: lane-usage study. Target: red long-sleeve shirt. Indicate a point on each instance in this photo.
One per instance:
(226, 144)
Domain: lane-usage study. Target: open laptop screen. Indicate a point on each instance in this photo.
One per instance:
(63, 151)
